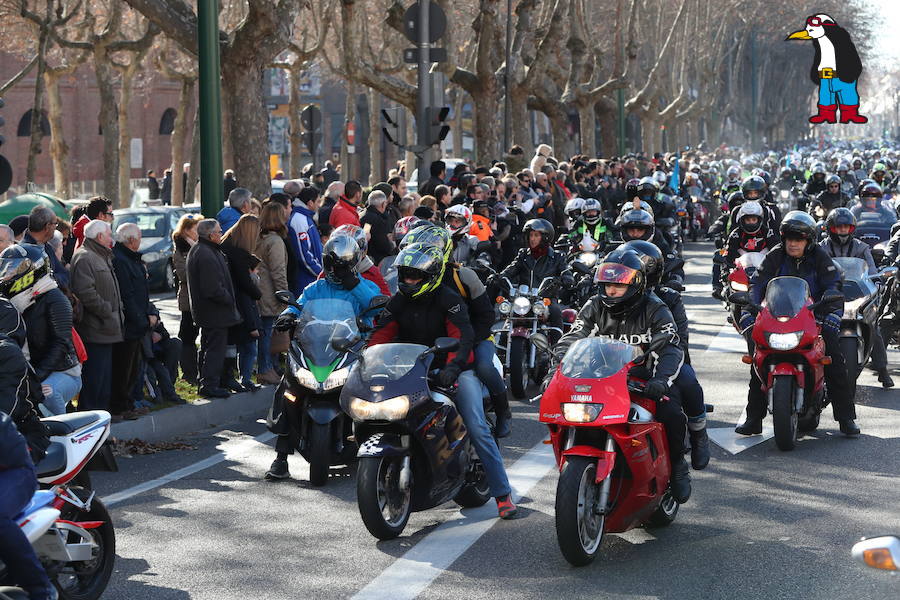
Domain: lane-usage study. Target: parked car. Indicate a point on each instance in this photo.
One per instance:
(157, 224)
(23, 203)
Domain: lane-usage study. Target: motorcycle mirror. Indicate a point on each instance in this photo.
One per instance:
(581, 267)
(446, 344)
(540, 342)
(285, 297)
(378, 302)
(878, 552)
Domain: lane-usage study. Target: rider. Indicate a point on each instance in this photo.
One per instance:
(365, 268)
(691, 392)
(340, 257)
(755, 188)
(591, 222)
(798, 255)
(638, 225)
(840, 225)
(425, 310)
(537, 262)
(814, 185)
(750, 235)
(624, 311)
(459, 221)
(870, 200)
(829, 199)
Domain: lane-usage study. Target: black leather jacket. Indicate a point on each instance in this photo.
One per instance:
(49, 325)
(828, 202)
(675, 304)
(531, 271)
(648, 319)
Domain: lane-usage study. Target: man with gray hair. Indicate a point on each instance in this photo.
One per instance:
(333, 193)
(376, 219)
(292, 188)
(94, 282)
(41, 225)
(238, 204)
(213, 308)
(7, 237)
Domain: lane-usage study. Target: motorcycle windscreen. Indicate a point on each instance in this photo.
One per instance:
(855, 273)
(597, 358)
(321, 321)
(786, 296)
(389, 362)
(389, 272)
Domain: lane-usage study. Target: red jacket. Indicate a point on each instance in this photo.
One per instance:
(343, 213)
(78, 230)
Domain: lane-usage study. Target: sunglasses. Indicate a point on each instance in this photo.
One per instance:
(817, 22)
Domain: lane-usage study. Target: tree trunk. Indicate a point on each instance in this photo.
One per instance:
(59, 150)
(109, 122)
(247, 121)
(349, 116)
(376, 166)
(179, 135)
(519, 127)
(296, 129)
(563, 145)
(608, 130)
(588, 119)
(487, 125)
(127, 85)
(37, 112)
(194, 172)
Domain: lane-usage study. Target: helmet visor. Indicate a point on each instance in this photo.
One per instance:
(12, 268)
(616, 273)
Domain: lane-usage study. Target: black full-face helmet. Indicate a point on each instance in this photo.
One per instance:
(840, 216)
(340, 253)
(754, 188)
(543, 226)
(652, 259)
(798, 224)
(622, 266)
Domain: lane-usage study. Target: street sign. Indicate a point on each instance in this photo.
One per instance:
(411, 55)
(311, 117)
(437, 23)
(351, 137)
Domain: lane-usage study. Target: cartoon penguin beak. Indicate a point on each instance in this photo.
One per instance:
(799, 35)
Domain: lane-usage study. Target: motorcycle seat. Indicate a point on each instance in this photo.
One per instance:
(54, 462)
(70, 422)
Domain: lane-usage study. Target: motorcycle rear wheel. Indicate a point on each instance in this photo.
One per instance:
(319, 453)
(87, 580)
(783, 415)
(850, 350)
(383, 506)
(518, 371)
(477, 491)
(579, 530)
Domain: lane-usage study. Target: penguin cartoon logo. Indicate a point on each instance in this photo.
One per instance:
(835, 69)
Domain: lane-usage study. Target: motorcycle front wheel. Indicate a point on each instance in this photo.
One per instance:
(784, 416)
(87, 580)
(319, 453)
(850, 350)
(383, 505)
(579, 529)
(518, 369)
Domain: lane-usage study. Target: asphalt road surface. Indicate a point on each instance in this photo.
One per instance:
(203, 524)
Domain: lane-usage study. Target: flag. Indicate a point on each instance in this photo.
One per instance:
(673, 180)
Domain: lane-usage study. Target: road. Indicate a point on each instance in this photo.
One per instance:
(761, 523)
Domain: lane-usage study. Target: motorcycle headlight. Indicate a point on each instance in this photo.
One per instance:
(521, 306)
(739, 287)
(336, 379)
(505, 307)
(305, 378)
(393, 409)
(785, 341)
(785, 194)
(588, 258)
(576, 412)
(540, 309)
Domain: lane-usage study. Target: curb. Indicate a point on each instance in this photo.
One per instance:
(175, 421)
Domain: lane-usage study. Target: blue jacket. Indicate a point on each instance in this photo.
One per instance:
(307, 246)
(322, 289)
(227, 217)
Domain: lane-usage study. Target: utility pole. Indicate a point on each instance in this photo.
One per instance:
(423, 100)
(210, 109)
(507, 101)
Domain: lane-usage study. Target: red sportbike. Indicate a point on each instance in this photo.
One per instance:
(613, 455)
(790, 356)
(739, 281)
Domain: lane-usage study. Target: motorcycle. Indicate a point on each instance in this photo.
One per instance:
(862, 306)
(790, 355)
(414, 449)
(671, 230)
(739, 281)
(612, 454)
(313, 380)
(873, 223)
(785, 201)
(68, 526)
(524, 313)
(701, 221)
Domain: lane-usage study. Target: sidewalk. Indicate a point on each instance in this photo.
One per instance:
(176, 421)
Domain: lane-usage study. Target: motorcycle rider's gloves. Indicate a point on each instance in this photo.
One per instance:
(284, 322)
(567, 279)
(746, 320)
(448, 375)
(655, 389)
(832, 322)
(349, 279)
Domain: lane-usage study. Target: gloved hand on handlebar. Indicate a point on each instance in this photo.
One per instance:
(831, 322)
(448, 375)
(284, 322)
(655, 389)
(348, 278)
(746, 320)
(492, 280)
(567, 279)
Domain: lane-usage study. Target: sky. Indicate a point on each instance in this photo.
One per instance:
(887, 46)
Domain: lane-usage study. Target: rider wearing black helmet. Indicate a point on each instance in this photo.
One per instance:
(829, 199)
(799, 255)
(625, 312)
(425, 310)
(639, 225)
(755, 188)
(840, 225)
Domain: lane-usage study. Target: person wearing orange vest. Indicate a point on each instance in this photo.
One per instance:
(481, 221)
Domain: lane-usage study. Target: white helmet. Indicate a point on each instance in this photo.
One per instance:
(661, 178)
(573, 207)
(592, 205)
(750, 209)
(460, 211)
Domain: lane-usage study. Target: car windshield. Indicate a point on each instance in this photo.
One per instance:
(855, 273)
(785, 296)
(596, 358)
(154, 225)
(390, 361)
(320, 322)
(751, 260)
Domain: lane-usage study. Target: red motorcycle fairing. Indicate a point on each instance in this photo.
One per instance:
(605, 460)
(520, 332)
(786, 368)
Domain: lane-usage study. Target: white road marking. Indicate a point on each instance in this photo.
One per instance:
(413, 572)
(232, 449)
(734, 443)
(728, 340)
(698, 289)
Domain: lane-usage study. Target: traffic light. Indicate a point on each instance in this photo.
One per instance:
(393, 125)
(437, 128)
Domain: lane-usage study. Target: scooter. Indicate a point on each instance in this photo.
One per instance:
(68, 526)
(414, 449)
(613, 455)
(312, 383)
(790, 355)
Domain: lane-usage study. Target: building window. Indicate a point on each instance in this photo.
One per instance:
(24, 129)
(167, 122)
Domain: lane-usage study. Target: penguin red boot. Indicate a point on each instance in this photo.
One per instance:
(849, 114)
(827, 114)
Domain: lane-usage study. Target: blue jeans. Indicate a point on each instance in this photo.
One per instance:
(264, 360)
(65, 387)
(17, 486)
(485, 350)
(834, 91)
(246, 360)
(470, 405)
